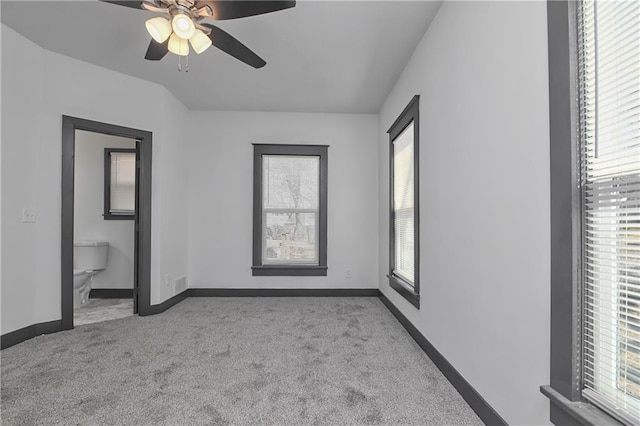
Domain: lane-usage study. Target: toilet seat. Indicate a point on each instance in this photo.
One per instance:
(77, 272)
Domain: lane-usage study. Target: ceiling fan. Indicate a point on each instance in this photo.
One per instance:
(184, 23)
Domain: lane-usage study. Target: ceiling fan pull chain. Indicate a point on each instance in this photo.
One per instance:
(186, 67)
(179, 63)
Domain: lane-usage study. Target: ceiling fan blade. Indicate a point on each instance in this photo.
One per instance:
(132, 4)
(157, 51)
(229, 44)
(240, 9)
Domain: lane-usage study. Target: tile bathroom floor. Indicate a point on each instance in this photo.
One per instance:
(98, 310)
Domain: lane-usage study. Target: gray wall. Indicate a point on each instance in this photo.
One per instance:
(481, 71)
(220, 162)
(38, 87)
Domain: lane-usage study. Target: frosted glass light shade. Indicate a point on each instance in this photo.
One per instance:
(200, 42)
(183, 26)
(159, 28)
(178, 46)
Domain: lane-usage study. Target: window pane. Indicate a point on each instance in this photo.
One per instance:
(403, 204)
(123, 182)
(290, 182)
(290, 237)
(609, 70)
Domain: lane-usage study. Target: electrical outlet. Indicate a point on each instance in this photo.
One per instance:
(28, 215)
(347, 273)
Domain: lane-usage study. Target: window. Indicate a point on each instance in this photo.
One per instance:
(595, 276)
(404, 213)
(119, 183)
(290, 210)
(609, 117)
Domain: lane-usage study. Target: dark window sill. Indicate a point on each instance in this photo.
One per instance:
(118, 216)
(583, 412)
(289, 270)
(411, 296)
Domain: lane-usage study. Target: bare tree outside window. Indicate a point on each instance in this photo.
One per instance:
(290, 198)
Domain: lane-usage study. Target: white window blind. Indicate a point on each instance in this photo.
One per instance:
(403, 204)
(609, 110)
(123, 183)
(290, 209)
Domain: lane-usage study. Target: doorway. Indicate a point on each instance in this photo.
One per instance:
(141, 215)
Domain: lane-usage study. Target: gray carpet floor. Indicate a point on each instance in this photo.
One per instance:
(232, 361)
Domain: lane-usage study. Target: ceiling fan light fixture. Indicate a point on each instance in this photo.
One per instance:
(159, 29)
(183, 26)
(200, 42)
(178, 45)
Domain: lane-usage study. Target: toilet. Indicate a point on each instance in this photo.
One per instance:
(89, 259)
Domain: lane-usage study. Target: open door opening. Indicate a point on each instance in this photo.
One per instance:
(126, 219)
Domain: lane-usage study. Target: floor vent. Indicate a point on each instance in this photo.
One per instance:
(180, 284)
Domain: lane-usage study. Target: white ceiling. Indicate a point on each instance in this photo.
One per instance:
(322, 56)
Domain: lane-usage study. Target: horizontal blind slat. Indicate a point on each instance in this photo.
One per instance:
(609, 102)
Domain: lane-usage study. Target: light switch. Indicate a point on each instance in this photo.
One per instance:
(28, 215)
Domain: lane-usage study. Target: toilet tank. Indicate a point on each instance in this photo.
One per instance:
(90, 255)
